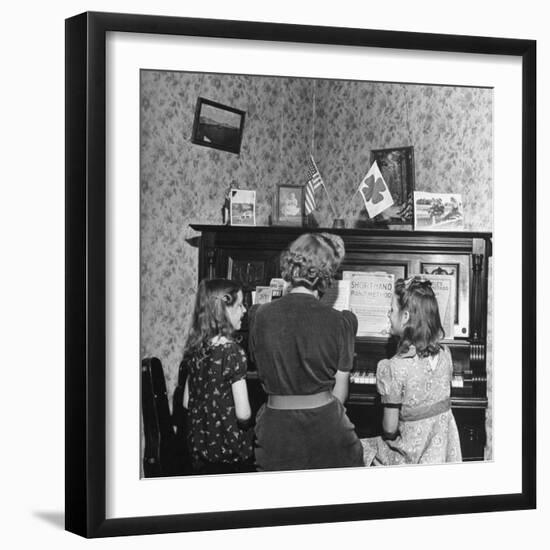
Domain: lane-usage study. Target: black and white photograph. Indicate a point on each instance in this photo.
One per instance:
(290, 205)
(242, 207)
(379, 183)
(230, 391)
(438, 211)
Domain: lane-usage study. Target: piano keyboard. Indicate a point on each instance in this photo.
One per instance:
(362, 377)
(457, 381)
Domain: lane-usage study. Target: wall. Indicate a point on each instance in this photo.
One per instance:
(183, 183)
(449, 127)
(286, 119)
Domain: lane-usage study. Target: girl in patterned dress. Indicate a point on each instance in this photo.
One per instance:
(415, 385)
(215, 394)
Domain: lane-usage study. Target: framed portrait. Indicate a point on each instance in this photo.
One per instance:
(218, 126)
(132, 259)
(397, 168)
(290, 205)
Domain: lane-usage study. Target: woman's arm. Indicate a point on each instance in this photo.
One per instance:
(340, 390)
(390, 422)
(240, 397)
(186, 394)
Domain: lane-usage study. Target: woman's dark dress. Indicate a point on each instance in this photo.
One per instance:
(298, 344)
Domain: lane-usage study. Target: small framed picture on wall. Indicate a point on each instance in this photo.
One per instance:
(218, 126)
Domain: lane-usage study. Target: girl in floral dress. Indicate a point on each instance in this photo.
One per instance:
(215, 394)
(415, 385)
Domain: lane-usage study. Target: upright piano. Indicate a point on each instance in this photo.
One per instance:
(251, 256)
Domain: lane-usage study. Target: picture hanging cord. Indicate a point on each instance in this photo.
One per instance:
(407, 114)
(331, 204)
(313, 119)
(196, 99)
(282, 94)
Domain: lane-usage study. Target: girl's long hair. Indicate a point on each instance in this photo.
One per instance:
(210, 312)
(424, 329)
(312, 260)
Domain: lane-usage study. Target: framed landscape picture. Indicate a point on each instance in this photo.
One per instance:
(438, 211)
(218, 126)
(137, 183)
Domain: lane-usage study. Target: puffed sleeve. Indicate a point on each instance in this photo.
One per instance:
(348, 330)
(449, 359)
(235, 364)
(390, 381)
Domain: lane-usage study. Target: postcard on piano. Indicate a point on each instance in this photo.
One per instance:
(278, 287)
(242, 207)
(262, 295)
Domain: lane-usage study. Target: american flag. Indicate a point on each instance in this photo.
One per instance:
(314, 181)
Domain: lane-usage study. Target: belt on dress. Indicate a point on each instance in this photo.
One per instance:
(425, 411)
(299, 401)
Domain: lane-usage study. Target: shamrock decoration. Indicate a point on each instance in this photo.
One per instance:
(373, 190)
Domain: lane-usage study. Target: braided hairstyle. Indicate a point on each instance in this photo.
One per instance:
(423, 329)
(312, 260)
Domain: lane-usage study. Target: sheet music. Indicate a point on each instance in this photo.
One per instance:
(370, 300)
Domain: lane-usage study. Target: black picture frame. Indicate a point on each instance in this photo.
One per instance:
(296, 194)
(86, 203)
(397, 167)
(218, 126)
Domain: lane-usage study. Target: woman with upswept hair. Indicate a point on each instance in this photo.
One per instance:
(303, 350)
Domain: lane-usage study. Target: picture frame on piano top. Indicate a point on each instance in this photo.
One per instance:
(104, 495)
(397, 167)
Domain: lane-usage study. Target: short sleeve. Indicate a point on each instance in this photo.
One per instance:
(348, 330)
(390, 381)
(235, 364)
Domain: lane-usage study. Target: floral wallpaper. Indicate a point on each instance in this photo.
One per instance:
(339, 122)
(450, 129)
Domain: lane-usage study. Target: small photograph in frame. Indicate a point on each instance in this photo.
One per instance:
(290, 205)
(438, 211)
(218, 126)
(242, 207)
(397, 167)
